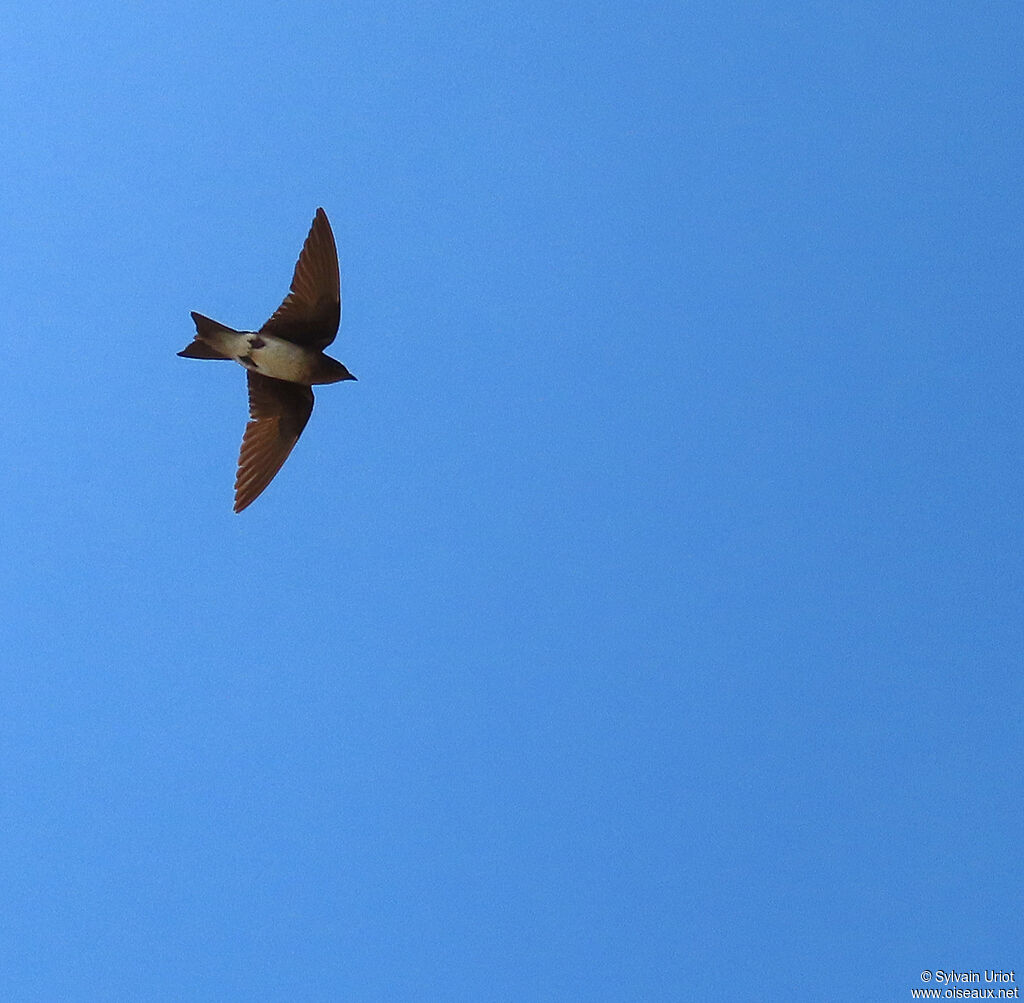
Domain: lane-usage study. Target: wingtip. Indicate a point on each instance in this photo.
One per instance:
(244, 498)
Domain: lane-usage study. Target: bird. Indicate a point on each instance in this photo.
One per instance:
(283, 360)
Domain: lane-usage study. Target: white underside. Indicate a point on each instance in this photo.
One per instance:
(274, 357)
(280, 359)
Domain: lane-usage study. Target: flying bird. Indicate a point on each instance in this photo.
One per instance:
(283, 360)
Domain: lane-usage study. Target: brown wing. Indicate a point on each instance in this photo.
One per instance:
(278, 412)
(310, 313)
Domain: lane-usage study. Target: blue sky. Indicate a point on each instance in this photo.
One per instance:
(645, 624)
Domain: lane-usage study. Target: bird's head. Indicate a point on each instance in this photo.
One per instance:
(332, 371)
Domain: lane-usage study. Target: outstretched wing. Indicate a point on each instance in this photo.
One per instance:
(311, 312)
(278, 412)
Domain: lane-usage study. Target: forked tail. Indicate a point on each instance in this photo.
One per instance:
(206, 330)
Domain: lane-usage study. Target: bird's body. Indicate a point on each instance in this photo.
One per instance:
(269, 355)
(284, 359)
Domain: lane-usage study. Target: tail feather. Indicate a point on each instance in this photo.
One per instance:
(200, 348)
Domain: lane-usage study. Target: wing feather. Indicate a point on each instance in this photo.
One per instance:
(311, 312)
(278, 412)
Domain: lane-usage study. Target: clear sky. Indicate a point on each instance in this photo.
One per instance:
(645, 624)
